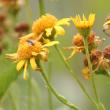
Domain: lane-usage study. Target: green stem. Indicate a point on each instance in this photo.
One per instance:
(42, 11)
(28, 12)
(58, 96)
(41, 7)
(90, 67)
(49, 92)
(29, 94)
(73, 74)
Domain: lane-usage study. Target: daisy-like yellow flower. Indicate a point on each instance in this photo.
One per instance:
(49, 25)
(29, 51)
(84, 23)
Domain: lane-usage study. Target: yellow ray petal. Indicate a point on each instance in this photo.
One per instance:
(84, 18)
(91, 19)
(72, 54)
(48, 31)
(34, 53)
(27, 36)
(59, 30)
(78, 18)
(25, 71)
(20, 64)
(64, 21)
(12, 56)
(106, 23)
(50, 44)
(33, 63)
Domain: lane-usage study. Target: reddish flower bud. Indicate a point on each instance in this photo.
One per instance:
(77, 40)
(106, 52)
(22, 27)
(2, 16)
(91, 38)
(1, 33)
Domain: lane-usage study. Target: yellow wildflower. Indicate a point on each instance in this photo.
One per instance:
(84, 23)
(30, 51)
(49, 25)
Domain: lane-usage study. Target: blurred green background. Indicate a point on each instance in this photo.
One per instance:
(19, 90)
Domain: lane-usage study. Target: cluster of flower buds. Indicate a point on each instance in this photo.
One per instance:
(100, 61)
(78, 44)
(86, 40)
(93, 41)
(12, 6)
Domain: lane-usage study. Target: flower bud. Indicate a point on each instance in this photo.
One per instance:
(106, 52)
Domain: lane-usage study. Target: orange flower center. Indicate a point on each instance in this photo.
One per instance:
(25, 49)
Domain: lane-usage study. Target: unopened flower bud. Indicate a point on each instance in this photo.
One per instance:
(106, 52)
(1, 32)
(77, 40)
(2, 17)
(22, 27)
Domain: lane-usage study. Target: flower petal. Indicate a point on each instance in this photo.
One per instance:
(64, 21)
(27, 36)
(59, 30)
(44, 56)
(50, 44)
(72, 54)
(84, 18)
(34, 53)
(33, 63)
(48, 31)
(12, 56)
(106, 23)
(25, 71)
(20, 64)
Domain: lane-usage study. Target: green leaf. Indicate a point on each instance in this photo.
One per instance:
(6, 78)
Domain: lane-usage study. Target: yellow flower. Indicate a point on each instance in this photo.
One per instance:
(30, 51)
(49, 23)
(45, 21)
(84, 23)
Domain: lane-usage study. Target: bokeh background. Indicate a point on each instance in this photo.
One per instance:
(18, 92)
